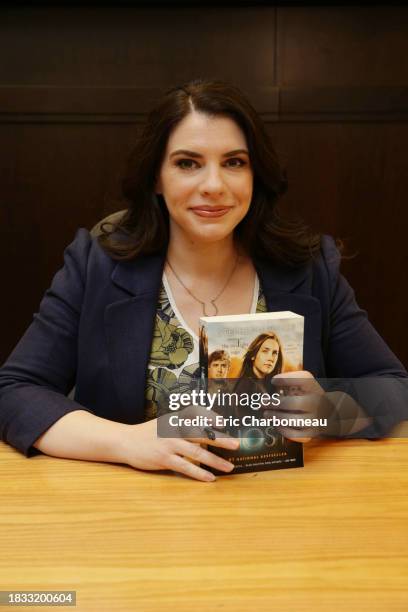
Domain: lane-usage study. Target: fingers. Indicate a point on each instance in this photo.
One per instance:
(212, 437)
(143, 449)
(297, 383)
(295, 374)
(190, 422)
(203, 434)
(296, 414)
(200, 455)
(183, 466)
(295, 404)
(196, 411)
(298, 434)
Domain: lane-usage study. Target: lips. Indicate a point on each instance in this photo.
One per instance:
(210, 211)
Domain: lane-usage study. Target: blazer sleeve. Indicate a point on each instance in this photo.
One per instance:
(353, 348)
(42, 368)
(357, 354)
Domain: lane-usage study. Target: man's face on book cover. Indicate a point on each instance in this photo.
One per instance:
(218, 369)
(266, 358)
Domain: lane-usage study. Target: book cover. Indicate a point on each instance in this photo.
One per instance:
(239, 357)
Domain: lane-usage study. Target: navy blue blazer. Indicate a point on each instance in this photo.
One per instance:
(95, 324)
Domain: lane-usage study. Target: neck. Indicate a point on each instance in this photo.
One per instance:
(205, 260)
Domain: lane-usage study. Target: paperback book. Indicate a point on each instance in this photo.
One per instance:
(239, 357)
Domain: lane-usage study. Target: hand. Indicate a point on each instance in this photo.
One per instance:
(303, 396)
(143, 449)
(297, 388)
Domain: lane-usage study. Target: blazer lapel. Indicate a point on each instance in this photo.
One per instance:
(129, 325)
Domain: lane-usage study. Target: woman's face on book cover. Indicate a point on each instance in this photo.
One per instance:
(266, 358)
(206, 178)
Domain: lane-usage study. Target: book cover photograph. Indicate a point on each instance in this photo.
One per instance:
(239, 357)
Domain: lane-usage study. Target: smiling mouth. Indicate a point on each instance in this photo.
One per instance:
(210, 211)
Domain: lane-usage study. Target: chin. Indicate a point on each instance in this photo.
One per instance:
(209, 235)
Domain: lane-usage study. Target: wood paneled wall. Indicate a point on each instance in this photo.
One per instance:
(330, 82)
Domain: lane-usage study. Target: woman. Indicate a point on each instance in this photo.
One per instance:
(201, 236)
(262, 361)
(263, 358)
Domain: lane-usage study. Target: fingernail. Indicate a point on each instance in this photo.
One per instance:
(227, 466)
(210, 477)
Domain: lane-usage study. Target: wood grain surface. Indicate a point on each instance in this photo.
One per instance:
(331, 535)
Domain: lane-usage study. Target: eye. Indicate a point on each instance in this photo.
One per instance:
(186, 164)
(236, 162)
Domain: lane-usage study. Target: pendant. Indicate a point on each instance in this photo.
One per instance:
(205, 313)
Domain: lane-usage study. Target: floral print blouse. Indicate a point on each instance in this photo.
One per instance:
(174, 354)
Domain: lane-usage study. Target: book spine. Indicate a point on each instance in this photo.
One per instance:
(203, 353)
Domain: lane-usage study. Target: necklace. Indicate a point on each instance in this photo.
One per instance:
(213, 300)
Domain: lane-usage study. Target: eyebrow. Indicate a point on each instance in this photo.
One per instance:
(198, 155)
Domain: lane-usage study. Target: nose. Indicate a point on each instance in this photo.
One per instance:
(212, 182)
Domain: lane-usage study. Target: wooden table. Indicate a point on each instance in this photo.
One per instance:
(330, 536)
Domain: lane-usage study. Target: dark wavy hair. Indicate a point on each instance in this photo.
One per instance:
(264, 232)
(252, 351)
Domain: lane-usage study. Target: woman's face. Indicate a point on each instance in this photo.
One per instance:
(206, 178)
(266, 358)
